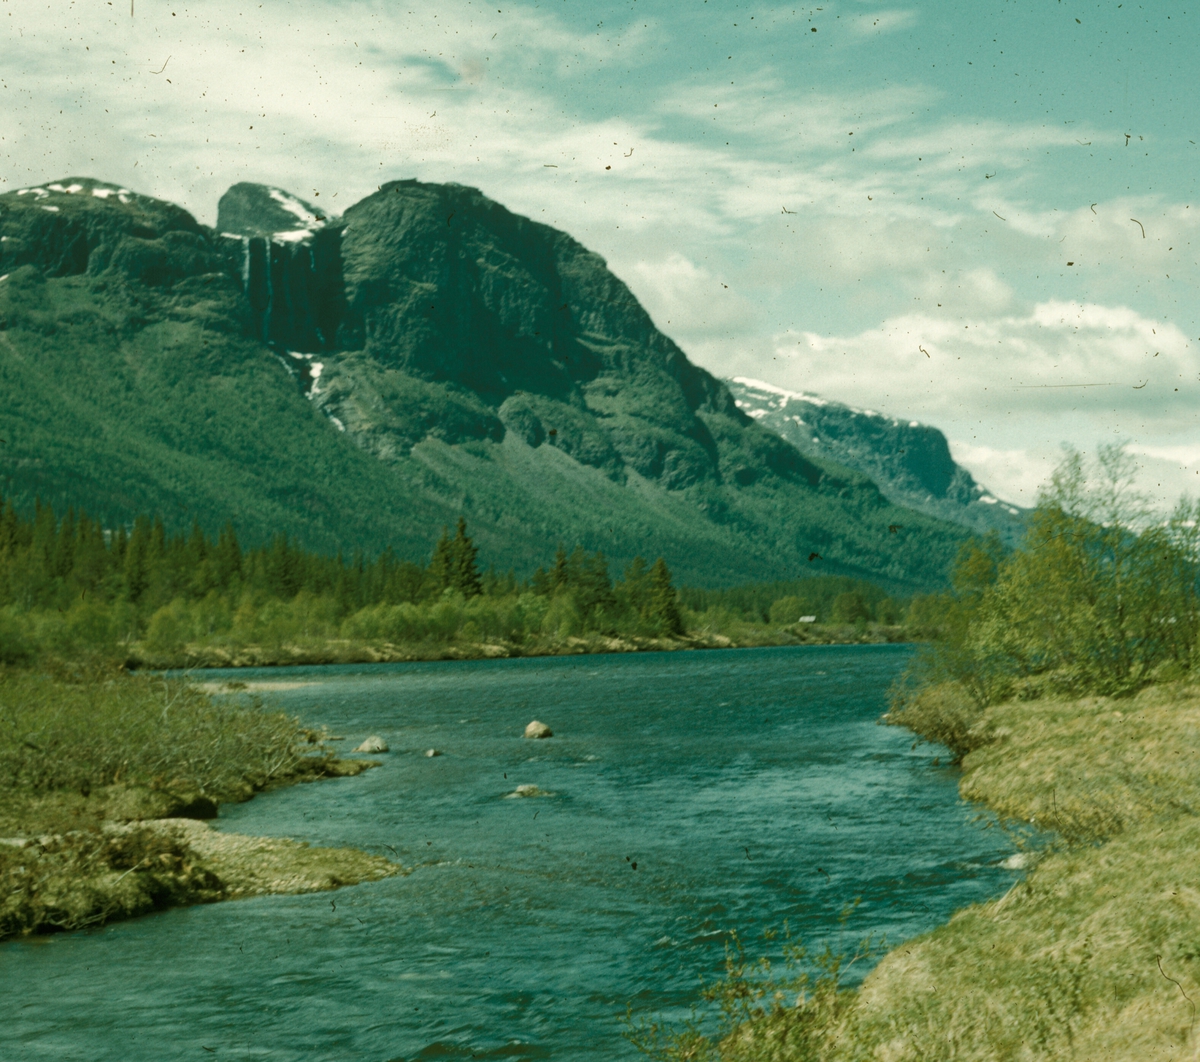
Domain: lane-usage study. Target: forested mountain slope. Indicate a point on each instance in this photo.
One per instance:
(360, 381)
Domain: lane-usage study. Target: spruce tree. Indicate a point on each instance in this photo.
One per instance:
(465, 569)
(664, 604)
(441, 564)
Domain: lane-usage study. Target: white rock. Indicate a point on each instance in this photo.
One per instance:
(433, 752)
(373, 744)
(527, 791)
(538, 730)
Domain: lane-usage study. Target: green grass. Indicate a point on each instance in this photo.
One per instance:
(82, 734)
(80, 754)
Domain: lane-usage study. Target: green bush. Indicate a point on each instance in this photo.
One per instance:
(1102, 597)
(849, 607)
(786, 611)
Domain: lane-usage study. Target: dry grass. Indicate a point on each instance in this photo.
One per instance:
(1095, 955)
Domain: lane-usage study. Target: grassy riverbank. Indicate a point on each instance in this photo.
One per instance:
(323, 650)
(105, 779)
(1094, 955)
(1065, 678)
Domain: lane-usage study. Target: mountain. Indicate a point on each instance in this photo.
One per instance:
(909, 462)
(359, 381)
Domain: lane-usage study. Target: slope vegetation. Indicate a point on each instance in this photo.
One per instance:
(359, 382)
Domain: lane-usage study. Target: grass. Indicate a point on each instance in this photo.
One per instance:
(99, 775)
(1095, 954)
(81, 734)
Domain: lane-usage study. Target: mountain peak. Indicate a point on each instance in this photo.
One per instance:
(249, 209)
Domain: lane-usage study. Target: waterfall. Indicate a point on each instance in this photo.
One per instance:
(269, 264)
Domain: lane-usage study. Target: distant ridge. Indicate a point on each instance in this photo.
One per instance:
(910, 462)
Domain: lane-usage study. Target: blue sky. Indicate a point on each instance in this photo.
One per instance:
(935, 210)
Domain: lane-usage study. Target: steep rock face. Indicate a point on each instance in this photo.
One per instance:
(446, 286)
(79, 225)
(910, 462)
(287, 255)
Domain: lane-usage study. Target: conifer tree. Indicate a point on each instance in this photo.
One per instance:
(441, 564)
(137, 567)
(560, 575)
(664, 603)
(465, 569)
(228, 557)
(453, 565)
(636, 586)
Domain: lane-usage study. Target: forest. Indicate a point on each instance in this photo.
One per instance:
(70, 587)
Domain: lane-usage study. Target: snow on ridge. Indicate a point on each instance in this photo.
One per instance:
(759, 385)
(293, 206)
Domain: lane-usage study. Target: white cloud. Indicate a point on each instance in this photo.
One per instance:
(883, 21)
(687, 300)
(1012, 475)
(1058, 355)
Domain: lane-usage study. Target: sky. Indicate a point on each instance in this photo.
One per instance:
(982, 216)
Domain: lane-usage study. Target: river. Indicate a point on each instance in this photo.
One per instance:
(693, 794)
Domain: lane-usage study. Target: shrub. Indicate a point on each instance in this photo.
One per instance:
(786, 611)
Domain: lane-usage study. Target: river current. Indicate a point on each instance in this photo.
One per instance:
(692, 794)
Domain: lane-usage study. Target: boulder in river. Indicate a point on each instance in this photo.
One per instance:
(433, 752)
(527, 791)
(538, 730)
(373, 744)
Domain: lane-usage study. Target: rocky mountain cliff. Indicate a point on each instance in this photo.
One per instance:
(359, 381)
(910, 462)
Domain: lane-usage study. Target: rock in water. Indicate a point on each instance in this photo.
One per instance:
(527, 791)
(373, 744)
(432, 752)
(538, 730)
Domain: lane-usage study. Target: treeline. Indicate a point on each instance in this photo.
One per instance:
(827, 598)
(1103, 597)
(71, 585)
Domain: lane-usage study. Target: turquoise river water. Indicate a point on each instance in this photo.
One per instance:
(747, 787)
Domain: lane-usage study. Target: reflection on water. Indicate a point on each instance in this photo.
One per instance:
(747, 788)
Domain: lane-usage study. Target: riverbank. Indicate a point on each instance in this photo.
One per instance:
(105, 784)
(1095, 954)
(316, 651)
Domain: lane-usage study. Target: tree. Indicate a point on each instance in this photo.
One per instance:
(664, 601)
(1101, 596)
(453, 565)
(850, 607)
(635, 586)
